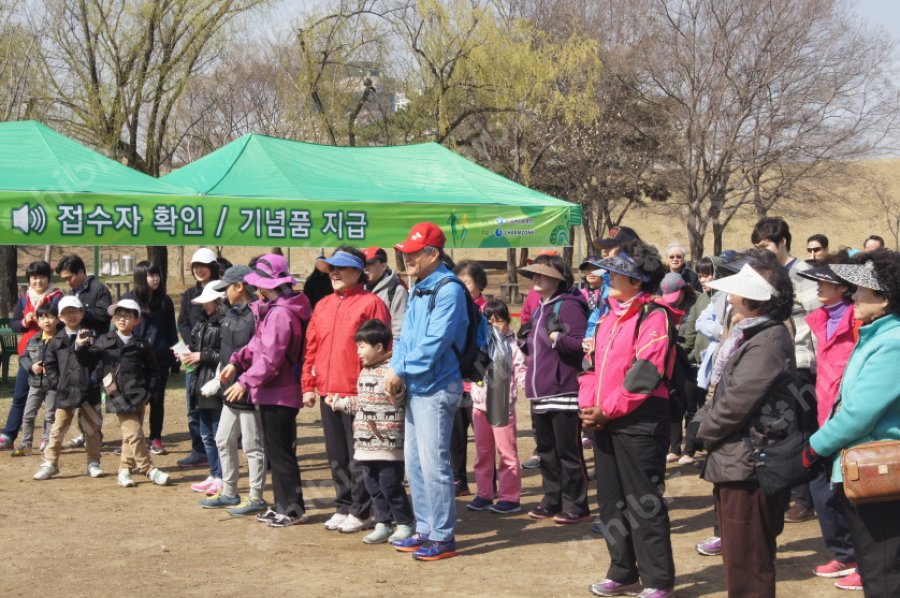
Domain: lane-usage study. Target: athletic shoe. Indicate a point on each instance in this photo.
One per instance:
(335, 521)
(287, 520)
(47, 471)
(608, 587)
(353, 524)
(712, 546)
(248, 506)
(597, 527)
(401, 532)
(158, 476)
(686, 460)
(461, 489)
(157, 448)
(204, 485)
(410, 544)
(6, 442)
(798, 514)
(267, 516)
(851, 582)
(220, 501)
(75, 443)
(655, 593)
(435, 551)
(93, 470)
(382, 533)
(532, 462)
(22, 451)
(124, 479)
(540, 512)
(569, 518)
(194, 459)
(215, 487)
(834, 568)
(672, 457)
(506, 507)
(479, 504)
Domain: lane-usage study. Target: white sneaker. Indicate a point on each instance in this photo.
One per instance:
(352, 525)
(381, 534)
(402, 532)
(76, 442)
(335, 521)
(47, 471)
(94, 470)
(125, 480)
(158, 477)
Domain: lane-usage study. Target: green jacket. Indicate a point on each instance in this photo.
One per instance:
(870, 395)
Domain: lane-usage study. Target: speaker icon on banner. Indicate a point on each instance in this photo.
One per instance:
(27, 219)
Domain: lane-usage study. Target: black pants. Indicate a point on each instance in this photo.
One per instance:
(630, 483)
(459, 441)
(350, 495)
(832, 521)
(563, 472)
(384, 482)
(193, 418)
(806, 384)
(875, 530)
(157, 405)
(690, 409)
(280, 436)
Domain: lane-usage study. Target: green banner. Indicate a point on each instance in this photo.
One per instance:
(37, 218)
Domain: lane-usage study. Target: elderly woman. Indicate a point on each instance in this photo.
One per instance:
(753, 403)
(331, 368)
(869, 410)
(676, 257)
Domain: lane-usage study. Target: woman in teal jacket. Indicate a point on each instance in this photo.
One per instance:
(869, 409)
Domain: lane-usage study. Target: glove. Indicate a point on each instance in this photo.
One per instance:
(810, 457)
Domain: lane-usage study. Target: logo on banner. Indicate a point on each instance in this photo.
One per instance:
(28, 219)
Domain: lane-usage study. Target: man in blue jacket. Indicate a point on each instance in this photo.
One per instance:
(425, 361)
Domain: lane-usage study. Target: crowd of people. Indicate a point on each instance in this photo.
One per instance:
(647, 360)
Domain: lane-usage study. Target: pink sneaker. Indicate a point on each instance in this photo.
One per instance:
(215, 487)
(835, 568)
(204, 485)
(851, 582)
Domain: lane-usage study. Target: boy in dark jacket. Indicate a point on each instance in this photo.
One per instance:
(39, 391)
(75, 390)
(126, 368)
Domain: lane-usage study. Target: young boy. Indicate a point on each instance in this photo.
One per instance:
(75, 390)
(127, 370)
(239, 419)
(378, 429)
(39, 391)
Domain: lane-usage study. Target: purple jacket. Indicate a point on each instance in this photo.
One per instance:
(268, 361)
(552, 368)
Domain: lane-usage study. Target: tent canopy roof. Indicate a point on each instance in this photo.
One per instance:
(34, 157)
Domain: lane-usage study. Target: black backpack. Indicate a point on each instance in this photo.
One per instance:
(474, 359)
(683, 382)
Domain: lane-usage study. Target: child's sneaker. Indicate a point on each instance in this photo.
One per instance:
(381, 534)
(609, 587)
(157, 448)
(93, 470)
(505, 507)
(401, 532)
(435, 551)
(6, 442)
(215, 487)
(22, 451)
(124, 480)
(249, 506)
(47, 471)
(335, 521)
(267, 516)
(287, 520)
(353, 524)
(479, 504)
(158, 476)
(220, 501)
(76, 442)
(204, 485)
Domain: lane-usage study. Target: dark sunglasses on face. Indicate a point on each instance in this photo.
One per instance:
(814, 249)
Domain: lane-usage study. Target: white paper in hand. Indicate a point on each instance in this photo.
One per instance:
(211, 388)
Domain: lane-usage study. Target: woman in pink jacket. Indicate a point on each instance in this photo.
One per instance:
(626, 400)
(836, 333)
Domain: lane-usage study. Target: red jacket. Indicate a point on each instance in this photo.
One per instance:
(831, 357)
(331, 365)
(630, 365)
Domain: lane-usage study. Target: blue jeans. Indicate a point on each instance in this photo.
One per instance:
(197, 445)
(209, 425)
(429, 421)
(17, 409)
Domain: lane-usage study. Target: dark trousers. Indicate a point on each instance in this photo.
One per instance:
(157, 405)
(350, 495)
(193, 419)
(691, 444)
(809, 423)
(563, 472)
(875, 530)
(280, 435)
(384, 482)
(630, 483)
(17, 409)
(459, 441)
(750, 522)
(678, 433)
(832, 521)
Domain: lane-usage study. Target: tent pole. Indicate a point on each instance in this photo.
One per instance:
(97, 261)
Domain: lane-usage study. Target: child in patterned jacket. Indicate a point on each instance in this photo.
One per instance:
(378, 429)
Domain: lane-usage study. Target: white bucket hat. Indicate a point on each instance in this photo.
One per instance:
(747, 283)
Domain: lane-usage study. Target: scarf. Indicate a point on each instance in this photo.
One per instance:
(731, 344)
(35, 299)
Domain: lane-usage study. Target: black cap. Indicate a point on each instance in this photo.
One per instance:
(821, 274)
(233, 275)
(618, 235)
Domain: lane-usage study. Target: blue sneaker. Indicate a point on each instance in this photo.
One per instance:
(220, 501)
(435, 551)
(505, 507)
(410, 544)
(479, 504)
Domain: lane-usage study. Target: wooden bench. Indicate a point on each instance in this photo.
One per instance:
(8, 342)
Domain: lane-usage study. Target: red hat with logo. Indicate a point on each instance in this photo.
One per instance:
(421, 235)
(375, 254)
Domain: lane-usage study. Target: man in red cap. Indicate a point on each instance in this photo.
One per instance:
(389, 287)
(425, 360)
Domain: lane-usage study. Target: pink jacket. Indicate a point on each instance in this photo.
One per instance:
(831, 357)
(630, 365)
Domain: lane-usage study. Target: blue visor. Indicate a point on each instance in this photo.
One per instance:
(341, 259)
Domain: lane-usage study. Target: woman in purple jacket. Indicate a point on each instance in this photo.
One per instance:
(552, 345)
(268, 368)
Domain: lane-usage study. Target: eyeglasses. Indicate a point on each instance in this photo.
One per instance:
(814, 249)
(125, 317)
(676, 256)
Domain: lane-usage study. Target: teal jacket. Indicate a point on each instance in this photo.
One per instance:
(870, 394)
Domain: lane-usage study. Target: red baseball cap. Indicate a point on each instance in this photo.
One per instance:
(375, 254)
(421, 235)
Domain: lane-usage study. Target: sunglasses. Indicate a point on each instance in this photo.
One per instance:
(676, 256)
(814, 249)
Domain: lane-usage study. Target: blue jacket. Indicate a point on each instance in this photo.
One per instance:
(870, 395)
(423, 356)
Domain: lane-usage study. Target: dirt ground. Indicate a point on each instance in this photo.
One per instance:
(77, 536)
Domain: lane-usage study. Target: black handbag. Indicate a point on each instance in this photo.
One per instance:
(779, 465)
